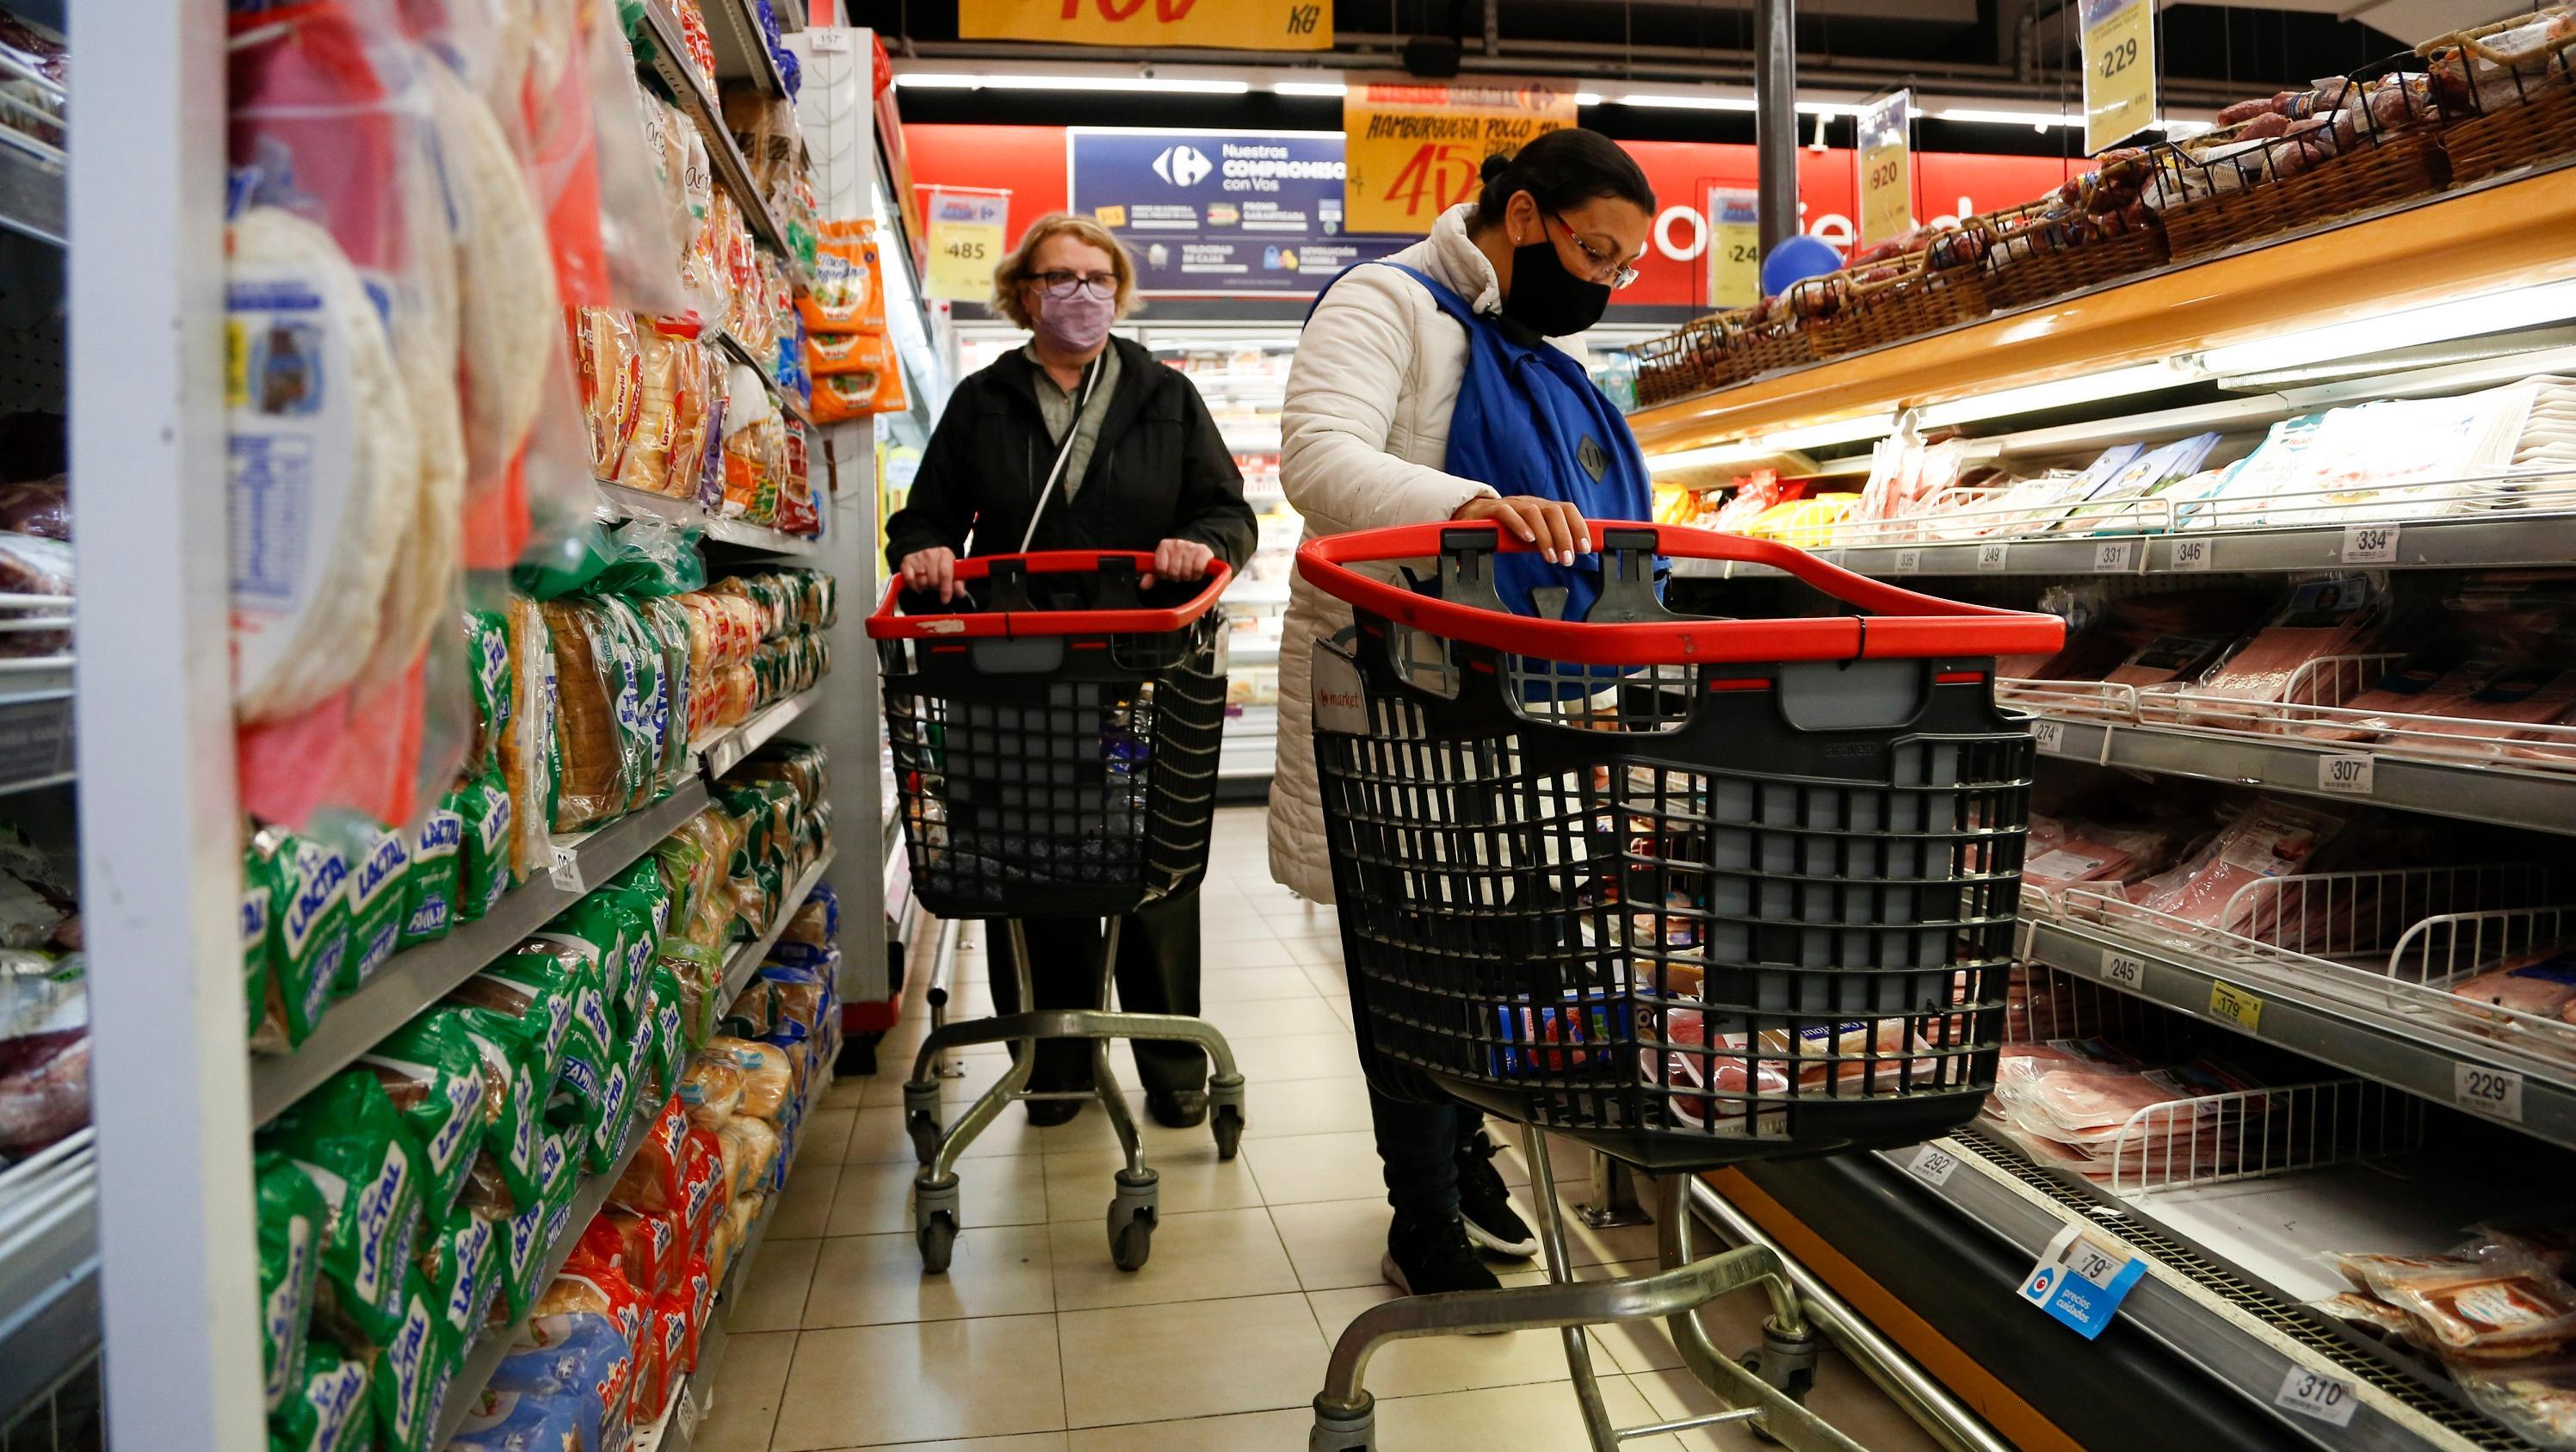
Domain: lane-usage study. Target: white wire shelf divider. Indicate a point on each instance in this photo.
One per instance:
(48, 1266)
(35, 696)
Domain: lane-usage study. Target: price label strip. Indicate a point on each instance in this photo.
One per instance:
(2081, 1279)
(2236, 1006)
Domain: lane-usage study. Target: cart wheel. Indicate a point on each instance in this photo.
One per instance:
(924, 1129)
(1131, 1241)
(938, 1237)
(1797, 1384)
(1228, 1127)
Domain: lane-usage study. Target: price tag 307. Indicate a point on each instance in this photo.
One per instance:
(2370, 544)
(2347, 775)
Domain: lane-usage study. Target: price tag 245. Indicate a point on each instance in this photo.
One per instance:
(2080, 1280)
(2370, 544)
(2123, 970)
(2315, 1394)
(2495, 1093)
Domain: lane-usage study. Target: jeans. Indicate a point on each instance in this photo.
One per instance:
(1158, 972)
(1418, 1146)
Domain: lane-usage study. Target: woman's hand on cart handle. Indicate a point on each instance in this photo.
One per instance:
(931, 569)
(1556, 527)
(1178, 559)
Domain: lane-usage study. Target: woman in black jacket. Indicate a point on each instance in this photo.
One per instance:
(1082, 440)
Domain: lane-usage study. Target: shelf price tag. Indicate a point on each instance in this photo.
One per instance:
(2115, 556)
(565, 870)
(2123, 970)
(2081, 1280)
(2119, 71)
(1992, 554)
(1909, 562)
(2051, 735)
(1933, 1165)
(1885, 130)
(2192, 554)
(2315, 1394)
(2495, 1093)
(966, 239)
(2346, 774)
(2236, 1006)
(2370, 544)
(1734, 248)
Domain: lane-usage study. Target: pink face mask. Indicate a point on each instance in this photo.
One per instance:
(1076, 324)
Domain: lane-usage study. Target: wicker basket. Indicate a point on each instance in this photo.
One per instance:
(1919, 298)
(2295, 181)
(2522, 111)
(1676, 365)
(2041, 250)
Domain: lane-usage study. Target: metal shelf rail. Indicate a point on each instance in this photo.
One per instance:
(742, 52)
(617, 502)
(421, 976)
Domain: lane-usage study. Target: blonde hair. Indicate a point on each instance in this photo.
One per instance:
(1020, 268)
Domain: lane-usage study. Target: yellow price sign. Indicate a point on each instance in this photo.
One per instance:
(2119, 71)
(1412, 149)
(1734, 248)
(2236, 1006)
(1886, 168)
(967, 240)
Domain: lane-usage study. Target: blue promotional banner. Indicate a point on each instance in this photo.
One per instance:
(1227, 213)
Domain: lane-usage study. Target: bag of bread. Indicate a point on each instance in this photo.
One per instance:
(291, 1217)
(433, 1074)
(258, 900)
(585, 1358)
(462, 1265)
(588, 759)
(651, 1181)
(694, 377)
(348, 1138)
(563, 1177)
(703, 1201)
(309, 927)
(598, 930)
(616, 1113)
(649, 1244)
(646, 462)
(327, 1408)
(700, 970)
(711, 1087)
(488, 672)
(751, 1152)
(429, 886)
(609, 362)
(662, 1030)
(524, 1250)
(412, 1371)
(507, 1053)
(487, 816)
(541, 1004)
(528, 746)
(861, 393)
(379, 866)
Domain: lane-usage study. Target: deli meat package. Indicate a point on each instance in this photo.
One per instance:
(2497, 1307)
(2267, 839)
(2540, 984)
(2321, 618)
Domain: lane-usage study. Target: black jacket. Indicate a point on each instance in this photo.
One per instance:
(1159, 471)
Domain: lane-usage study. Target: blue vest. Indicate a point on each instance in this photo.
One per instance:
(1529, 420)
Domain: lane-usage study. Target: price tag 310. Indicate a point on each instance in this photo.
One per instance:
(2347, 775)
(1992, 554)
(2495, 1093)
(2370, 544)
(2315, 1394)
(2081, 1280)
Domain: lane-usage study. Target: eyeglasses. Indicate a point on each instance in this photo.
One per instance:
(1062, 285)
(1606, 266)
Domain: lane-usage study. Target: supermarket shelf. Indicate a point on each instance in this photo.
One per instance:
(1250, 751)
(2241, 1333)
(485, 1357)
(616, 502)
(35, 723)
(724, 751)
(742, 52)
(732, 171)
(746, 960)
(421, 976)
(741, 352)
(49, 1308)
(31, 192)
(2479, 791)
(2304, 1014)
(2483, 541)
(2502, 233)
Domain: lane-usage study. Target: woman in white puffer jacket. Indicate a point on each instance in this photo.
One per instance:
(1364, 435)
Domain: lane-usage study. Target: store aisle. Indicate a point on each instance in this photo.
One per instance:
(1034, 1342)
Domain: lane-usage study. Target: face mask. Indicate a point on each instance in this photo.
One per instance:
(1547, 299)
(1076, 324)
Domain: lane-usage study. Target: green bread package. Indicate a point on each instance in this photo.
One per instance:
(328, 1411)
(290, 1266)
(433, 1073)
(348, 1138)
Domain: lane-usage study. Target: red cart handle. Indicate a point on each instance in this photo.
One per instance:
(1900, 625)
(891, 623)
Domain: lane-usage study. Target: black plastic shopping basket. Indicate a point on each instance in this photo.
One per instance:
(1055, 733)
(1690, 890)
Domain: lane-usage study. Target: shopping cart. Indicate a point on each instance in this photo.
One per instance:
(1687, 891)
(1055, 735)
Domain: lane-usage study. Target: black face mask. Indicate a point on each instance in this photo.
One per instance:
(1547, 299)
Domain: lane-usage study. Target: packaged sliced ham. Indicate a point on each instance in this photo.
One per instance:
(2322, 618)
(2543, 984)
(2268, 839)
(2496, 1308)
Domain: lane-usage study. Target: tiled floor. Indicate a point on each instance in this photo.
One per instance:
(1034, 1342)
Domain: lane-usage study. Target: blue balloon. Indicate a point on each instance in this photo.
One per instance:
(1795, 260)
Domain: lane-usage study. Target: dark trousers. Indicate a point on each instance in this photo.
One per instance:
(1418, 1146)
(1158, 972)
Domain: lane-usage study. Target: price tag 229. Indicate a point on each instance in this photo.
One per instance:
(2347, 775)
(2495, 1093)
(2370, 544)
(2315, 1394)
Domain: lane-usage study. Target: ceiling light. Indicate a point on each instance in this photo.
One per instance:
(2040, 119)
(1704, 102)
(2520, 307)
(1311, 88)
(2057, 393)
(944, 80)
(1587, 98)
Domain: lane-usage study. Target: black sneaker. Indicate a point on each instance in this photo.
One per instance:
(1486, 1204)
(1424, 1256)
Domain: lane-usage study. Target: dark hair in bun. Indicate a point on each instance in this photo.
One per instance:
(1561, 170)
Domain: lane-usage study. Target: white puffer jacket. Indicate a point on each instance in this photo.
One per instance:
(1362, 434)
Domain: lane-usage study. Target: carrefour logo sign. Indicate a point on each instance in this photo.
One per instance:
(1183, 166)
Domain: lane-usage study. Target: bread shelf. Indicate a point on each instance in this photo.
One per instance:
(418, 977)
(741, 352)
(2301, 1012)
(49, 1305)
(617, 502)
(742, 52)
(746, 959)
(488, 1352)
(724, 751)
(732, 171)
(2504, 233)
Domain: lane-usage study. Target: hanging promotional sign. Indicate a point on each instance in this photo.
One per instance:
(968, 235)
(1886, 168)
(2119, 71)
(1230, 213)
(1221, 24)
(1734, 247)
(1416, 150)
